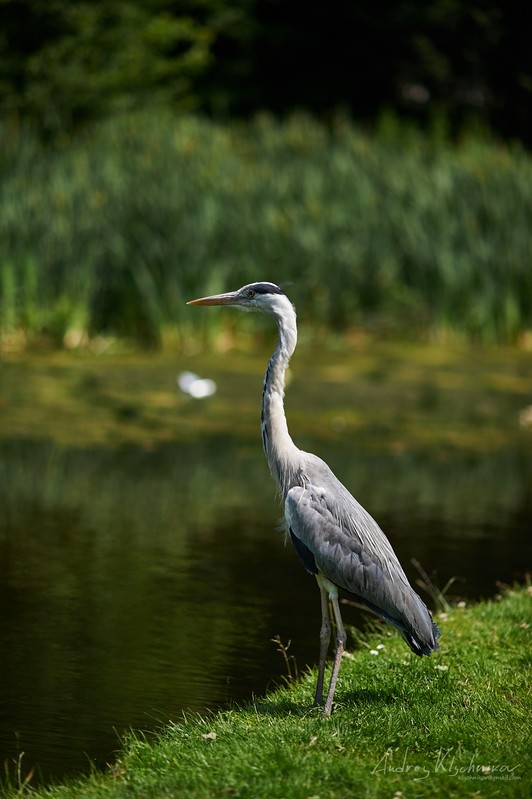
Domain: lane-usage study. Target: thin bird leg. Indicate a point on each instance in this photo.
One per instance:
(325, 637)
(341, 638)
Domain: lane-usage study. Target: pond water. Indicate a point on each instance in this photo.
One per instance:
(142, 573)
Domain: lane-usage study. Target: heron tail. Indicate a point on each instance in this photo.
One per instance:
(414, 623)
(422, 646)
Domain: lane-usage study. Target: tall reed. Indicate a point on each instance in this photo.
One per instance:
(112, 231)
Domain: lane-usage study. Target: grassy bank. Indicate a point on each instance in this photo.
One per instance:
(111, 232)
(452, 725)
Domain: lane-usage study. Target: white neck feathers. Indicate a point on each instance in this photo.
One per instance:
(281, 453)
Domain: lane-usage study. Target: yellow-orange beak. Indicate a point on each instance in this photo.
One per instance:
(216, 299)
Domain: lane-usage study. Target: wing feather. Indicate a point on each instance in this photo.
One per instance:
(350, 549)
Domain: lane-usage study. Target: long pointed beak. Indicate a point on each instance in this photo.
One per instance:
(215, 299)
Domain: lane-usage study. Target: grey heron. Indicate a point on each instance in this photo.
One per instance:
(334, 537)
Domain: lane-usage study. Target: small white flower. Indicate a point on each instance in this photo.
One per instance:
(441, 667)
(373, 652)
(461, 605)
(380, 646)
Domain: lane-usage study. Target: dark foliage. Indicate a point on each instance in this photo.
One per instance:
(62, 64)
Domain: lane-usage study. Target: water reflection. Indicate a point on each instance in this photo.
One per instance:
(137, 582)
(106, 627)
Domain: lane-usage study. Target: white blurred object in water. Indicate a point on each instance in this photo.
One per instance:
(525, 417)
(195, 386)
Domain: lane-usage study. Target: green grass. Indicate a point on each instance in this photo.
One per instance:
(455, 724)
(112, 231)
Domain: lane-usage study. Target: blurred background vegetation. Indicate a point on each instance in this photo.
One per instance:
(155, 150)
(374, 155)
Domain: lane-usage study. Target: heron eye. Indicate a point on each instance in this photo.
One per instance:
(251, 294)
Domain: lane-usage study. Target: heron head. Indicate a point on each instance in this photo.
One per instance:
(253, 297)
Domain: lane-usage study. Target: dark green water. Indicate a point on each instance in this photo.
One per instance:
(144, 575)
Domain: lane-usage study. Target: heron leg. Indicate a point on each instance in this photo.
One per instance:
(341, 638)
(325, 637)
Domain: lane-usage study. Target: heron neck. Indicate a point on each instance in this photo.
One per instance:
(281, 452)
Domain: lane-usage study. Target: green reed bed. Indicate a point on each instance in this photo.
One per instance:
(112, 231)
